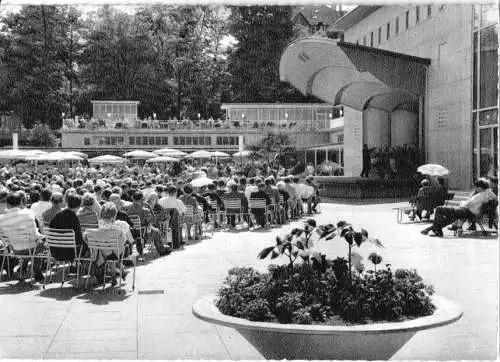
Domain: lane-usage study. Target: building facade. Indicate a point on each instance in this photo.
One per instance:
(316, 129)
(423, 74)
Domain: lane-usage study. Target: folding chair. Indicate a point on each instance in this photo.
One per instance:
(487, 218)
(63, 239)
(234, 208)
(26, 249)
(85, 227)
(163, 226)
(136, 221)
(259, 205)
(109, 241)
(282, 210)
(192, 218)
(213, 216)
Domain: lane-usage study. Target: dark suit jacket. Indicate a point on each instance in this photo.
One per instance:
(213, 195)
(67, 219)
(237, 195)
(261, 194)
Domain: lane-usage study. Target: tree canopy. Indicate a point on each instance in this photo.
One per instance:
(175, 60)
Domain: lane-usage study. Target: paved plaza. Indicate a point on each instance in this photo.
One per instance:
(155, 321)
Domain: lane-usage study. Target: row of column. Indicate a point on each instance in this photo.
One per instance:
(376, 128)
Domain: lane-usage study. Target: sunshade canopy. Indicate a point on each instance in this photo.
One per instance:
(199, 154)
(342, 73)
(162, 159)
(107, 159)
(140, 155)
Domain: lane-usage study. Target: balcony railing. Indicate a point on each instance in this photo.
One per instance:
(173, 125)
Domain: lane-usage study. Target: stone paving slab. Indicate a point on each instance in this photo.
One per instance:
(63, 323)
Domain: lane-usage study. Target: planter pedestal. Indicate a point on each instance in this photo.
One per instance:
(379, 341)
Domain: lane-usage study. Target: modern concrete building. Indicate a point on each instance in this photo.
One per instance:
(316, 129)
(422, 74)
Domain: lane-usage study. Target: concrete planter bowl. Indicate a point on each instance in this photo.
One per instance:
(360, 342)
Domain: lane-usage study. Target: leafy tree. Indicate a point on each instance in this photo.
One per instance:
(41, 136)
(262, 33)
(272, 145)
(32, 59)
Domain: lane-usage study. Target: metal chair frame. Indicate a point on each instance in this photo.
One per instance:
(10, 252)
(109, 240)
(232, 205)
(136, 221)
(63, 239)
(259, 204)
(192, 218)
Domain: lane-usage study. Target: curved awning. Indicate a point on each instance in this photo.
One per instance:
(356, 76)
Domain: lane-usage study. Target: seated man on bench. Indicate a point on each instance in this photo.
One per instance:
(469, 209)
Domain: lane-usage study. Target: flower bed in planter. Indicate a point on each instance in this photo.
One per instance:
(326, 309)
(379, 341)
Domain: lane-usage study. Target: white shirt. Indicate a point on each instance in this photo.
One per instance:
(39, 207)
(249, 190)
(19, 226)
(475, 202)
(172, 202)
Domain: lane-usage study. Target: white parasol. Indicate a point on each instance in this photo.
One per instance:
(200, 154)
(162, 159)
(220, 154)
(107, 159)
(140, 155)
(433, 170)
(202, 181)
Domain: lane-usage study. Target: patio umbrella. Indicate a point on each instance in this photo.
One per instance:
(79, 154)
(199, 174)
(433, 170)
(219, 154)
(54, 157)
(162, 159)
(199, 154)
(63, 156)
(202, 181)
(166, 151)
(242, 154)
(18, 154)
(140, 155)
(107, 159)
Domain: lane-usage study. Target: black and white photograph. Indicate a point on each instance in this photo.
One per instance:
(249, 181)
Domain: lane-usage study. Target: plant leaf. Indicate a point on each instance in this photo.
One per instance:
(376, 242)
(364, 232)
(265, 252)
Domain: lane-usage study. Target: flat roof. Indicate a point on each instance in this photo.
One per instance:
(403, 56)
(116, 102)
(276, 105)
(353, 17)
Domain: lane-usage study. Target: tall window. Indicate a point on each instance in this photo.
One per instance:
(485, 90)
(371, 39)
(379, 35)
(417, 14)
(388, 30)
(429, 11)
(364, 40)
(397, 25)
(407, 19)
